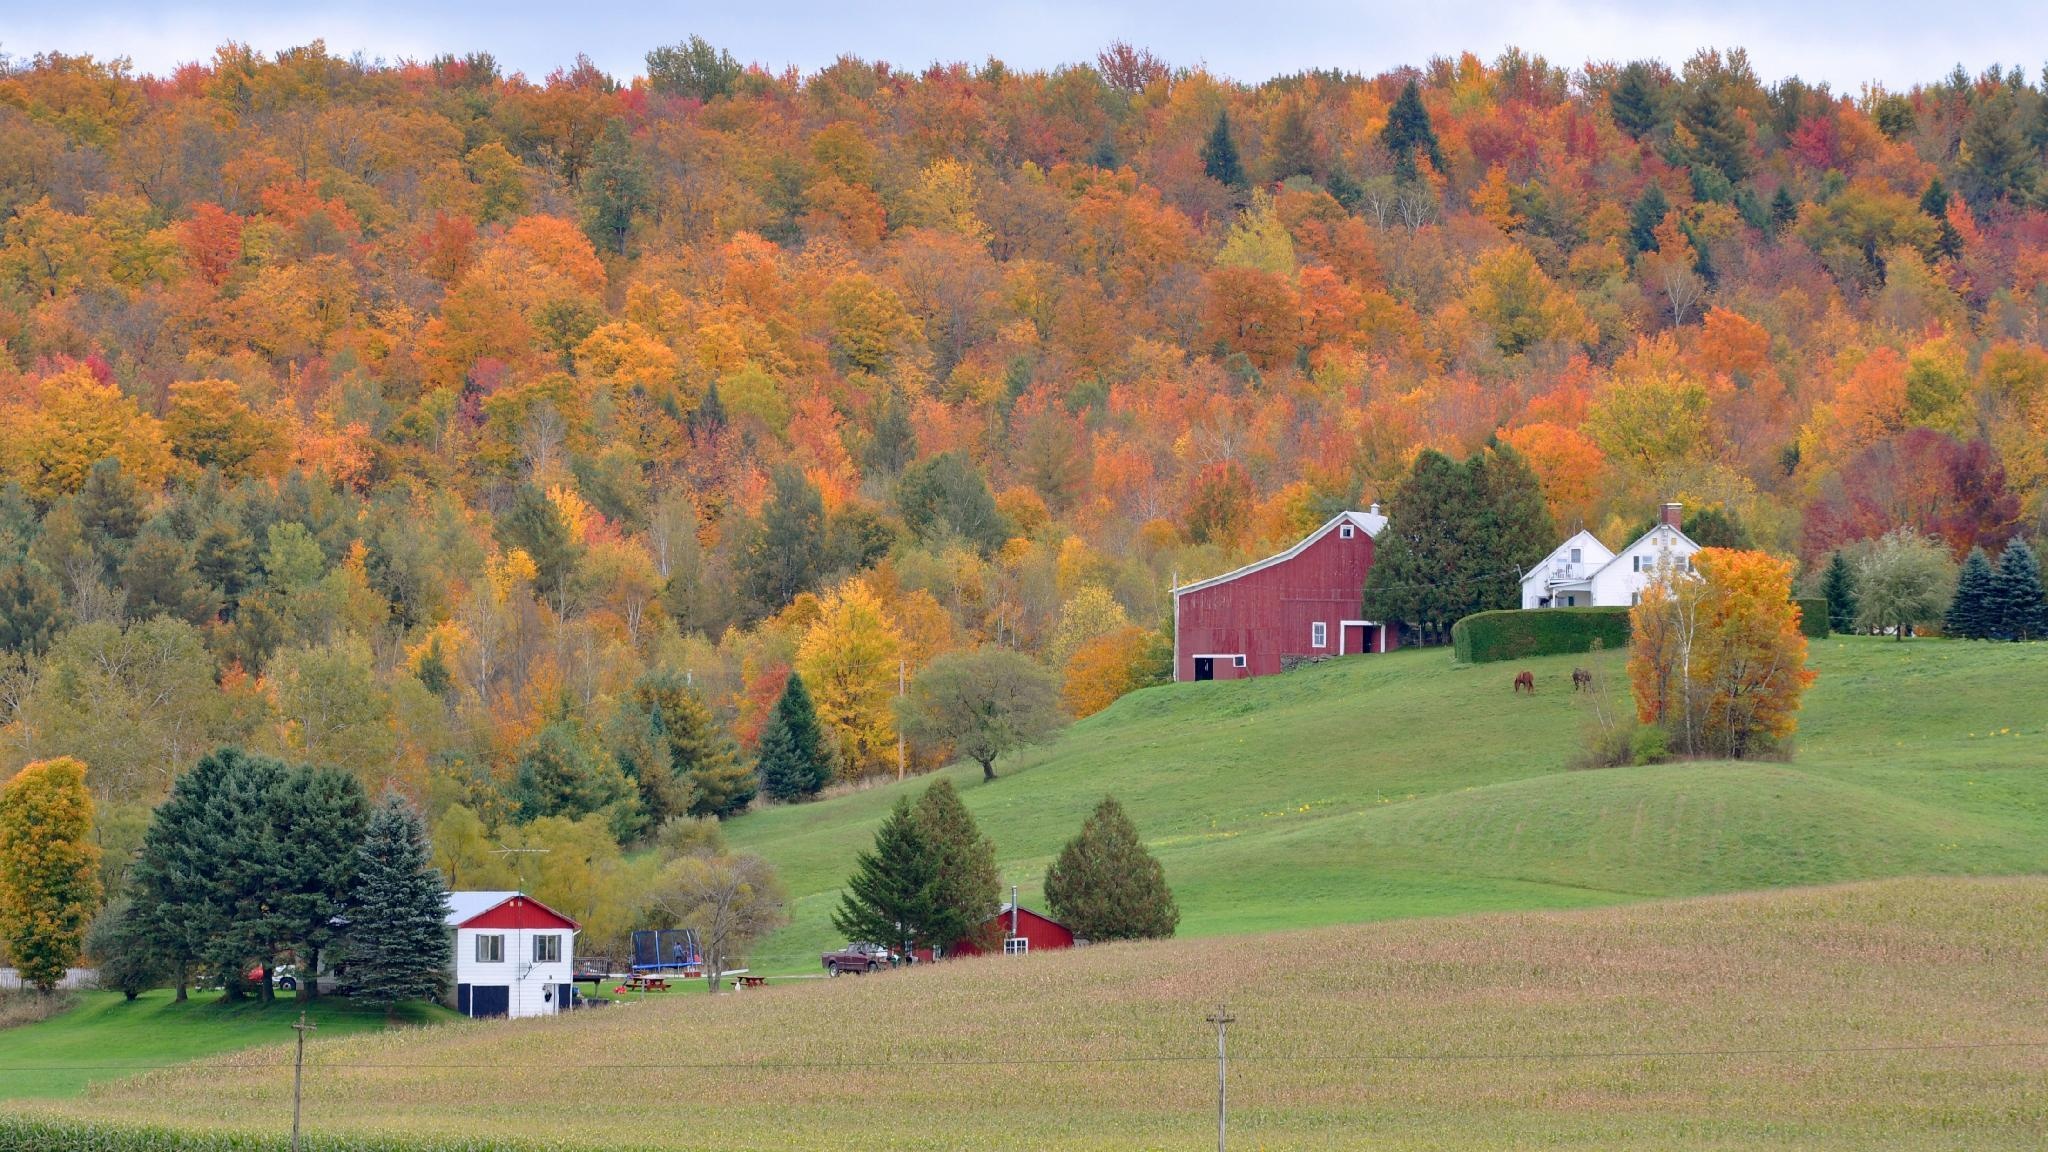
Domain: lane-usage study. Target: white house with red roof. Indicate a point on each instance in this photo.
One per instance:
(514, 956)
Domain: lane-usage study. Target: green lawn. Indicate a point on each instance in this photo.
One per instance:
(106, 1037)
(1405, 785)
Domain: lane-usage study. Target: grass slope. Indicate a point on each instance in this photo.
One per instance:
(1904, 1014)
(1404, 785)
(106, 1037)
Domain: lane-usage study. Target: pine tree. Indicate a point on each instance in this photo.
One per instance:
(1997, 162)
(317, 819)
(701, 752)
(2021, 606)
(399, 944)
(1644, 216)
(1784, 210)
(1106, 886)
(1636, 100)
(1721, 138)
(969, 888)
(784, 558)
(1408, 130)
(120, 950)
(796, 762)
(174, 876)
(1839, 586)
(1934, 205)
(1292, 150)
(1219, 154)
(559, 774)
(1973, 611)
(49, 869)
(615, 190)
(893, 894)
(892, 444)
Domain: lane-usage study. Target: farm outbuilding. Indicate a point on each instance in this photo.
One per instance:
(1302, 604)
(514, 956)
(1021, 931)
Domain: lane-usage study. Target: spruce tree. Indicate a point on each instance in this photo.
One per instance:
(1934, 205)
(784, 557)
(1973, 611)
(1784, 210)
(1408, 130)
(701, 753)
(316, 818)
(615, 190)
(2021, 607)
(1219, 154)
(559, 774)
(1839, 586)
(969, 888)
(1636, 100)
(893, 896)
(796, 760)
(1644, 216)
(1106, 886)
(399, 945)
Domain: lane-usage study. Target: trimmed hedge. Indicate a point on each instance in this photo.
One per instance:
(49, 1134)
(1515, 633)
(1813, 616)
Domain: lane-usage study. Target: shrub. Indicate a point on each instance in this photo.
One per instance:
(1813, 616)
(1648, 745)
(1515, 634)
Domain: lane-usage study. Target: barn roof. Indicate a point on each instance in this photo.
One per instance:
(466, 906)
(1371, 521)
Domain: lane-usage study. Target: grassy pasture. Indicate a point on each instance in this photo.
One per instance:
(1906, 1014)
(106, 1037)
(1404, 785)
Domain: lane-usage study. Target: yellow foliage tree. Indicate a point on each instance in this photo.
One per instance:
(849, 660)
(1103, 668)
(73, 422)
(49, 868)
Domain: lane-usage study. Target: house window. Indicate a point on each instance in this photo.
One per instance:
(1571, 600)
(1016, 946)
(1319, 635)
(1346, 531)
(547, 949)
(1635, 598)
(1578, 554)
(1237, 661)
(1685, 563)
(490, 949)
(1637, 561)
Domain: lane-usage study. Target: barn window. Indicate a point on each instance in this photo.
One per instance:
(1237, 661)
(1319, 635)
(547, 949)
(1016, 946)
(490, 949)
(1346, 531)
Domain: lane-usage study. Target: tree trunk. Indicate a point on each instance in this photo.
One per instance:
(988, 769)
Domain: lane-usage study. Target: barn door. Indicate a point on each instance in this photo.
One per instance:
(1205, 668)
(1356, 639)
(490, 1000)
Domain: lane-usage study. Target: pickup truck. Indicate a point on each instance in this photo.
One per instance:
(859, 957)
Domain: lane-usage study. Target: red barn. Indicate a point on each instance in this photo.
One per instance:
(1302, 603)
(1022, 931)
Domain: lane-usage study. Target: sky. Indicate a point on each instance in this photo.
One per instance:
(1890, 42)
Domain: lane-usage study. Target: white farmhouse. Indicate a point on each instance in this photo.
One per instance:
(514, 956)
(1582, 573)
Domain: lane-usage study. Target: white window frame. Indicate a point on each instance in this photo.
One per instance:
(550, 942)
(495, 953)
(1347, 531)
(1319, 634)
(1016, 945)
(1237, 661)
(1578, 555)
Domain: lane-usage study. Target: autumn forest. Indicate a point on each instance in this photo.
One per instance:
(471, 431)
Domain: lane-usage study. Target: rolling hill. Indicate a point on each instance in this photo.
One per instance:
(1905, 1014)
(1405, 785)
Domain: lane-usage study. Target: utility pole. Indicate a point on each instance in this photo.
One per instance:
(901, 674)
(1222, 1020)
(299, 1073)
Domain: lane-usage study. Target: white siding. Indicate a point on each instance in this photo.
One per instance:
(531, 983)
(1617, 584)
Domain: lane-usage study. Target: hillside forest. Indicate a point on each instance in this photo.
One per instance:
(508, 441)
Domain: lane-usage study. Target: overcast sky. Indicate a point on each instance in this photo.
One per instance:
(1846, 44)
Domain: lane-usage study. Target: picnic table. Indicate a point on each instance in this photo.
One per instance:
(750, 981)
(643, 984)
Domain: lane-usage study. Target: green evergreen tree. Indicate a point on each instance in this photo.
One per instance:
(785, 554)
(1973, 613)
(399, 946)
(1408, 131)
(1784, 210)
(694, 69)
(795, 759)
(560, 775)
(1839, 586)
(110, 512)
(892, 443)
(1219, 154)
(1636, 101)
(615, 190)
(1292, 150)
(1996, 160)
(969, 888)
(2021, 604)
(639, 742)
(31, 608)
(535, 526)
(122, 952)
(1934, 204)
(181, 860)
(1721, 139)
(893, 896)
(1106, 886)
(316, 819)
(1644, 216)
(946, 495)
(701, 752)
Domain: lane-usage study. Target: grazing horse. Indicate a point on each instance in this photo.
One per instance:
(1582, 680)
(1525, 680)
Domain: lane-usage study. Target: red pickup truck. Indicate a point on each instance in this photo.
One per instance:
(860, 957)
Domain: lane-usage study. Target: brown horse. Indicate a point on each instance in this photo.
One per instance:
(1525, 680)
(1582, 680)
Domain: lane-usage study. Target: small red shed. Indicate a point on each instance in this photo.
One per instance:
(1021, 930)
(1303, 603)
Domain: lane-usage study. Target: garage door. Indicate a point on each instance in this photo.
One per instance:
(489, 999)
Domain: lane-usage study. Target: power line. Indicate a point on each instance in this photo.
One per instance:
(1140, 1058)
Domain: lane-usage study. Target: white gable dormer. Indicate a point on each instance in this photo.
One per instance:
(1560, 579)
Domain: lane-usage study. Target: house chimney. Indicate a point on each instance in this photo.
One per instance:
(1375, 507)
(1670, 513)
